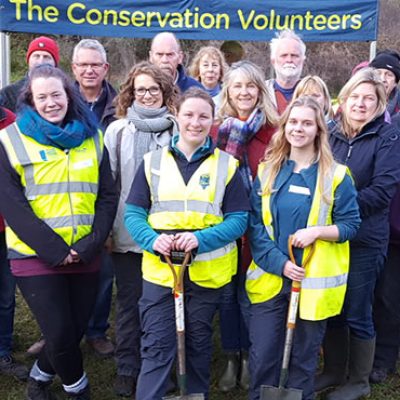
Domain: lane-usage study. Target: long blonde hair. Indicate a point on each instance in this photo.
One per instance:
(279, 150)
(365, 75)
(307, 85)
(254, 74)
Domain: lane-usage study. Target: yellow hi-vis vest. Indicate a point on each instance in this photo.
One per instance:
(324, 286)
(195, 206)
(61, 186)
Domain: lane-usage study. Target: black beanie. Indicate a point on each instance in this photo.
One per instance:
(389, 60)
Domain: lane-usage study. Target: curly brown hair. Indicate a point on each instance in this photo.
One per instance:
(126, 95)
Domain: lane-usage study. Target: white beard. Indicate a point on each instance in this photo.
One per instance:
(288, 72)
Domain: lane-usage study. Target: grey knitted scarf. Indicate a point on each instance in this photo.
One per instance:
(154, 129)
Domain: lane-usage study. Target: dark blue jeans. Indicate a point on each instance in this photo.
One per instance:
(387, 312)
(98, 323)
(267, 336)
(234, 314)
(365, 268)
(7, 301)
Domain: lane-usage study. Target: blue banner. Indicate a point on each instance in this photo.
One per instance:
(258, 20)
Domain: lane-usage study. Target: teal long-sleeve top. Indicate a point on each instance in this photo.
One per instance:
(235, 207)
(290, 207)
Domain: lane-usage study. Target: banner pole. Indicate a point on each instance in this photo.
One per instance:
(372, 50)
(4, 59)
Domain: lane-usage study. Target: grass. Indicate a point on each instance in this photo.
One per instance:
(101, 372)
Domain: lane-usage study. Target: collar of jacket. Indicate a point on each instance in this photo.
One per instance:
(109, 109)
(372, 128)
(204, 151)
(286, 171)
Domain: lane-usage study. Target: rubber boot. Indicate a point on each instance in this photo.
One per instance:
(335, 349)
(360, 365)
(229, 377)
(244, 377)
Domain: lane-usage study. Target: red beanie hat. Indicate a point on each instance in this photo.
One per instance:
(44, 43)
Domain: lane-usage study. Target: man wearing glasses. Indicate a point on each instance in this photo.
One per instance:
(166, 53)
(90, 68)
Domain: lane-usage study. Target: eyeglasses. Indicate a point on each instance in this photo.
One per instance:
(93, 66)
(154, 91)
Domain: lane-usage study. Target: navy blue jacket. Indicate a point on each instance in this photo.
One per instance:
(184, 81)
(10, 93)
(373, 157)
(104, 107)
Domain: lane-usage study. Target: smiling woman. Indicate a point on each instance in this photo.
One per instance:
(50, 99)
(186, 197)
(300, 191)
(208, 67)
(59, 201)
(146, 106)
(245, 125)
(363, 140)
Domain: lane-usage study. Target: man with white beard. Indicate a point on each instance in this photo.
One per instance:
(288, 53)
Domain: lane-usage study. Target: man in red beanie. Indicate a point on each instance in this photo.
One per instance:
(41, 50)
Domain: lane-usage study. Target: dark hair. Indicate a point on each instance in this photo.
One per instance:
(127, 95)
(196, 93)
(77, 109)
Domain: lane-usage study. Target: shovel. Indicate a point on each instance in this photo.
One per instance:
(180, 328)
(280, 392)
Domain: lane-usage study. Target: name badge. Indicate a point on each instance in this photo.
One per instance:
(83, 164)
(299, 190)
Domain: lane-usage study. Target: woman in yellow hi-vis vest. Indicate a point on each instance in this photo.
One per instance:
(188, 196)
(59, 201)
(299, 191)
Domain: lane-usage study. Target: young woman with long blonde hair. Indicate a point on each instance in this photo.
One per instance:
(300, 191)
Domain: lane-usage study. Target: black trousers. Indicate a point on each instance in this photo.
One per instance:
(62, 305)
(128, 277)
(387, 312)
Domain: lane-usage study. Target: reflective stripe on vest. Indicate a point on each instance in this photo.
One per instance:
(191, 211)
(69, 220)
(321, 296)
(32, 189)
(324, 283)
(188, 205)
(212, 255)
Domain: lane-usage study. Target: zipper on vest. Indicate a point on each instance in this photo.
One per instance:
(74, 229)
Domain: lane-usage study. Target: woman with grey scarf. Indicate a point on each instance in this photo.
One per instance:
(145, 108)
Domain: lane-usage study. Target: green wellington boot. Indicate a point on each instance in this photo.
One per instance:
(335, 347)
(244, 375)
(360, 365)
(229, 377)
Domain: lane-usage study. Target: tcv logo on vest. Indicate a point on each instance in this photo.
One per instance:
(204, 181)
(45, 155)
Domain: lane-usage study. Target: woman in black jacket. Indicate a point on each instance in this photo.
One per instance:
(59, 200)
(370, 147)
